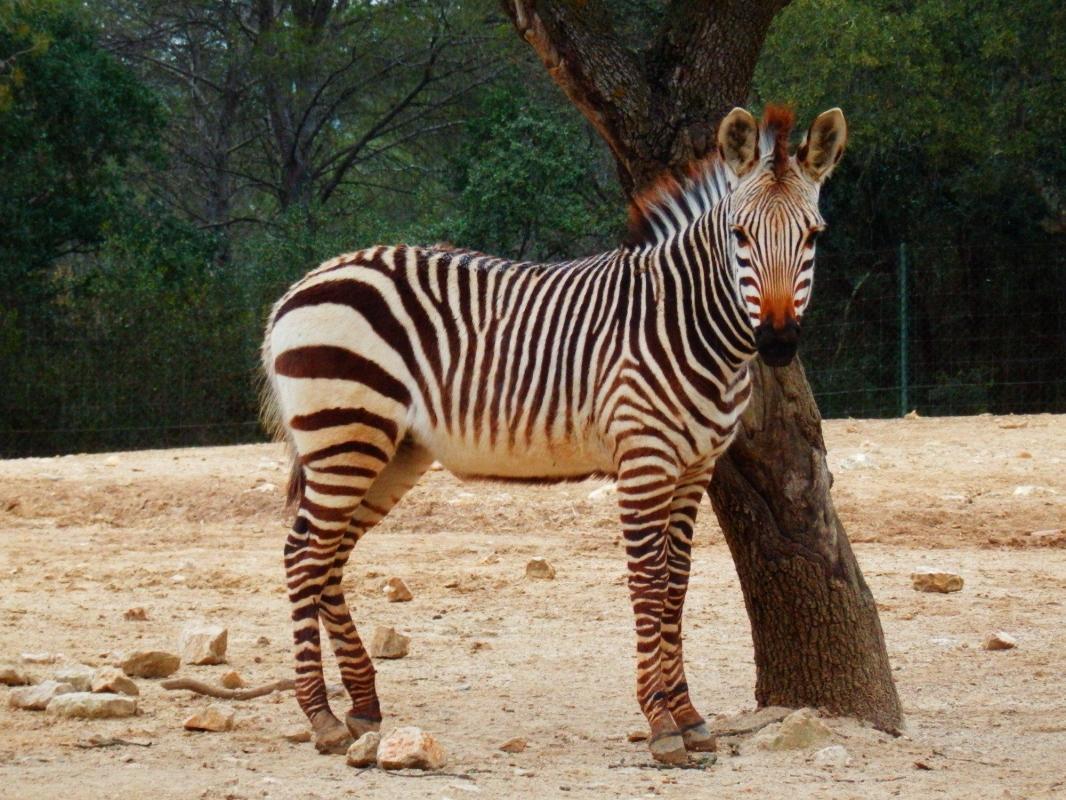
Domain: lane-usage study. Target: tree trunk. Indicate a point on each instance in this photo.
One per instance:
(818, 640)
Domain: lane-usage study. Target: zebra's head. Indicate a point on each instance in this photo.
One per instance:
(772, 220)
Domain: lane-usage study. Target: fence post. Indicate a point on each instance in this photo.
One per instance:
(904, 401)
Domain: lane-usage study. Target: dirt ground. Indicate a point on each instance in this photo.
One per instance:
(196, 534)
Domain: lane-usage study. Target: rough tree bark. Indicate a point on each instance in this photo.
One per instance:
(818, 640)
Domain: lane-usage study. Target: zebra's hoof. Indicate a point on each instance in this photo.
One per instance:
(700, 739)
(334, 740)
(668, 748)
(357, 726)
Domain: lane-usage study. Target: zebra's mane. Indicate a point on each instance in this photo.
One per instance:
(672, 202)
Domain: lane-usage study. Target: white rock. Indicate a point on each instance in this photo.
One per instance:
(1049, 537)
(13, 675)
(410, 748)
(111, 680)
(396, 590)
(202, 643)
(927, 579)
(540, 569)
(833, 756)
(297, 734)
(799, 730)
(857, 461)
(610, 490)
(37, 698)
(1027, 490)
(389, 643)
(364, 750)
(1000, 641)
(215, 718)
(39, 658)
(150, 664)
(87, 705)
(111, 461)
(77, 675)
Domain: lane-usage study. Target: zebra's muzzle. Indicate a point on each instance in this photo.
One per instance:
(777, 346)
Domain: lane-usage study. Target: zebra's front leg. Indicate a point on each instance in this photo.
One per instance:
(683, 509)
(644, 494)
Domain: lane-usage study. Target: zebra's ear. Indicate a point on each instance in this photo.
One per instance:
(738, 141)
(823, 145)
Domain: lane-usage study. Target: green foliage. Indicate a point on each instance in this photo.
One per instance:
(71, 119)
(526, 183)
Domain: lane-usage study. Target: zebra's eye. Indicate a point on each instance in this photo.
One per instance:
(739, 236)
(812, 237)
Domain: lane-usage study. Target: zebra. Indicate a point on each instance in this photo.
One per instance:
(631, 364)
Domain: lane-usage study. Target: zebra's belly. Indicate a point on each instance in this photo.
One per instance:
(555, 460)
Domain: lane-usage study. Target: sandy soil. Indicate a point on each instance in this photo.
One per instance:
(196, 534)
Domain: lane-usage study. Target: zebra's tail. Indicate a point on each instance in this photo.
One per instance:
(271, 419)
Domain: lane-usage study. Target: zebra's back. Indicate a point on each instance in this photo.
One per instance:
(499, 369)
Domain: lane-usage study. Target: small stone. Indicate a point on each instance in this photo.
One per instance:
(39, 658)
(204, 644)
(1000, 641)
(297, 734)
(12, 675)
(111, 461)
(215, 718)
(410, 748)
(637, 736)
(86, 705)
(150, 664)
(77, 675)
(602, 492)
(1024, 454)
(396, 591)
(389, 643)
(111, 680)
(135, 614)
(37, 698)
(858, 461)
(912, 414)
(540, 569)
(1049, 537)
(516, 745)
(364, 750)
(833, 756)
(928, 579)
(799, 730)
(232, 679)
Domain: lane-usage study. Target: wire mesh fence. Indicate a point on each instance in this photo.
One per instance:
(937, 329)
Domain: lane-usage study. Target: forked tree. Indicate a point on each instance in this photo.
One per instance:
(655, 93)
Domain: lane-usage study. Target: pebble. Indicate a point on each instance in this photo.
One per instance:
(1000, 641)
(112, 681)
(927, 579)
(297, 734)
(135, 614)
(637, 736)
(857, 461)
(87, 705)
(39, 658)
(231, 679)
(516, 745)
(37, 698)
(202, 643)
(363, 752)
(835, 755)
(150, 664)
(410, 748)
(215, 718)
(389, 643)
(1049, 537)
(12, 675)
(77, 675)
(396, 591)
(541, 569)
(799, 730)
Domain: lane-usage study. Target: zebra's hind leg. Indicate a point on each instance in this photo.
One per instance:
(331, 493)
(357, 671)
(683, 509)
(645, 491)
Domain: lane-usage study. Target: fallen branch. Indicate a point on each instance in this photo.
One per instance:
(228, 694)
